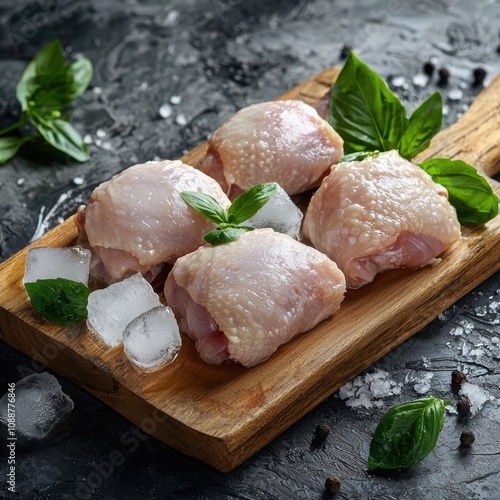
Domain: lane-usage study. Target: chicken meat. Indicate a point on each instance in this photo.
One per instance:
(241, 300)
(380, 213)
(138, 222)
(280, 141)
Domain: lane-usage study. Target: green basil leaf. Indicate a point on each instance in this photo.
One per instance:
(358, 156)
(221, 236)
(61, 135)
(206, 205)
(362, 109)
(423, 125)
(48, 61)
(468, 191)
(9, 146)
(80, 75)
(406, 434)
(248, 203)
(59, 300)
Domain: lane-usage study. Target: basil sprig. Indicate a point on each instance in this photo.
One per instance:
(406, 434)
(246, 205)
(370, 119)
(59, 300)
(47, 87)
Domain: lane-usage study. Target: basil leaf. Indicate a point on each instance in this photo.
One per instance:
(60, 134)
(363, 110)
(468, 191)
(423, 125)
(358, 156)
(206, 205)
(9, 146)
(80, 75)
(59, 300)
(248, 203)
(48, 61)
(221, 236)
(406, 434)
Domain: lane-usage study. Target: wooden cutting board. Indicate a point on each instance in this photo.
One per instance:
(223, 414)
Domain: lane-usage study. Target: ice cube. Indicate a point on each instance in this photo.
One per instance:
(72, 263)
(111, 309)
(152, 339)
(279, 213)
(39, 405)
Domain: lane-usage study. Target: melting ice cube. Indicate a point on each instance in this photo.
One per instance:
(110, 310)
(279, 213)
(72, 263)
(152, 339)
(39, 404)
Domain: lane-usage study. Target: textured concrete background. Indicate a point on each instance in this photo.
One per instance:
(205, 60)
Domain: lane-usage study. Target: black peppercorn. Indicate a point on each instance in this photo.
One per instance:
(344, 51)
(463, 406)
(444, 76)
(322, 431)
(467, 438)
(457, 377)
(428, 68)
(332, 484)
(479, 75)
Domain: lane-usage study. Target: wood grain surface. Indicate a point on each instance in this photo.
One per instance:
(223, 414)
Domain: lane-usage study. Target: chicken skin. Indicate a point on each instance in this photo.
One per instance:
(380, 213)
(241, 300)
(138, 222)
(279, 141)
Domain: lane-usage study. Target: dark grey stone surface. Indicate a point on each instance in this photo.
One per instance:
(219, 56)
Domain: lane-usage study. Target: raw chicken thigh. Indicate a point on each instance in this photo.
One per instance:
(380, 213)
(280, 141)
(241, 300)
(137, 221)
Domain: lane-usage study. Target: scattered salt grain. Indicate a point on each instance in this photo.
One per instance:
(420, 80)
(181, 119)
(455, 94)
(72, 263)
(458, 331)
(97, 90)
(476, 395)
(152, 339)
(100, 133)
(442, 317)
(494, 307)
(367, 390)
(111, 309)
(165, 110)
(144, 86)
(78, 181)
(176, 99)
(423, 386)
(398, 81)
(480, 311)
(87, 139)
(20, 181)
